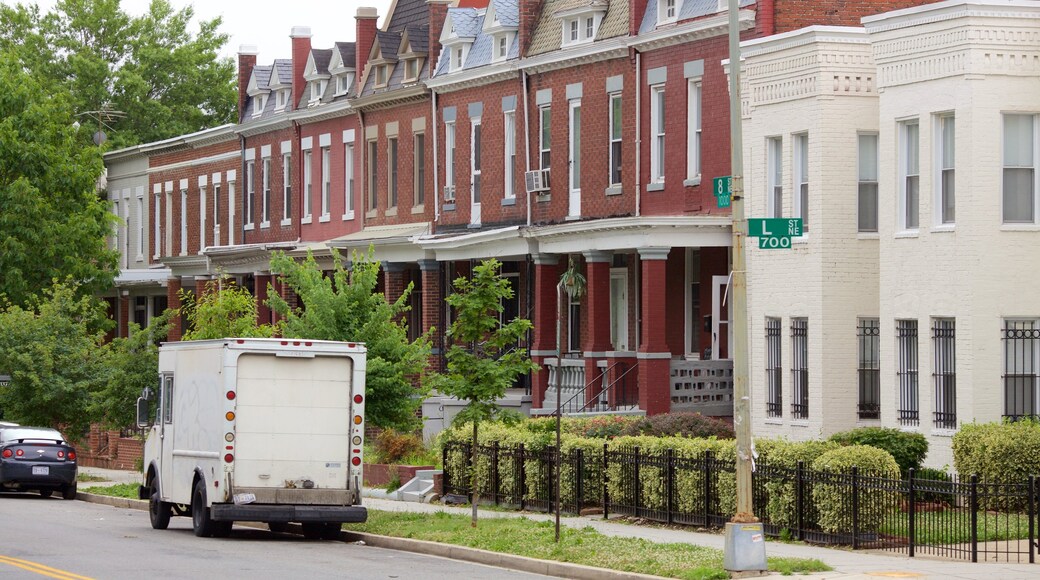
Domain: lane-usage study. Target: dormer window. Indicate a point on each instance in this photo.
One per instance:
(382, 74)
(317, 90)
(343, 83)
(457, 58)
(281, 98)
(259, 104)
(411, 69)
(581, 28)
(588, 27)
(503, 46)
(667, 11)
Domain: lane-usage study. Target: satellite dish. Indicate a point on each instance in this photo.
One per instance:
(99, 138)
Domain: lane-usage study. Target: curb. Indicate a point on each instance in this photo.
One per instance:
(472, 555)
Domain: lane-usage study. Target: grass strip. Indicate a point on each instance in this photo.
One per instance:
(127, 490)
(524, 537)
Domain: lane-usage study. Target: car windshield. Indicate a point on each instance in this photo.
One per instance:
(38, 433)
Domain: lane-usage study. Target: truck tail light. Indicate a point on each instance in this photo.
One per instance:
(355, 461)
(230, 415)
(228, 458)
(358, 399)
(231, 395)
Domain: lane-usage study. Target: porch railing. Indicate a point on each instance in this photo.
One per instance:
(702, 386)
(615, 394)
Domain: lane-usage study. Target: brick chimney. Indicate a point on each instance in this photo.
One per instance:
(530, 12)
(301, 50)
(364, 39)
(636, 10)
(246, 61)
(438, 13)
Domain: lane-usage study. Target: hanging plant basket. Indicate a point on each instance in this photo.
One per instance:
(573, 280)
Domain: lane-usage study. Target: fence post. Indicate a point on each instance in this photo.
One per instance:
(494, 472)
(855, 507)
(447, 472)
(974, 517)
(669, 482)
(606, 495)
(579, 474)
(521, 482)
(799, 481)
(707, 489)
(1032, 518)
(912, 524)
(635, 486)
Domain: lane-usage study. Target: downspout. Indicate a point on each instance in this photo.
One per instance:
(436, 166)
(639, 134)
(527, 143)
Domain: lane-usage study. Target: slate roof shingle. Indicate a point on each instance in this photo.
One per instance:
(321, 56)
(419, 38)
(548, 35)
(407, 13)
(347, 53)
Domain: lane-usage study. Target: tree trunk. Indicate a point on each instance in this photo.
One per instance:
(473, 474)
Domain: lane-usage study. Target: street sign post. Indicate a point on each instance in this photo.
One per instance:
(773, 233)
(722, 188)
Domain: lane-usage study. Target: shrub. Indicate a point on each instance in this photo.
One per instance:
(832, 498)
(998, 453)
(680, 424)
(601, 427)
(933, 486)
(392, 445)
(784, 455)
(908, 449)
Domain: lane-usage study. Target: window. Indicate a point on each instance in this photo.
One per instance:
(373, 159)
(343, 83)
(184, 221)
(503, 47)
(589, 26)
(945, 162)
(1020, 175)
(509, 150)
(774, 375)
(574, 148)
(909, 174)
(693, 129)
(868, 182)
(307, 181)
(380, 75)
(906, 350)
(286, 186)
(141, 311)
(216, 214)
(615, 139)
(259, 104)
(391, 168)
(572, 27)
(868, 335)
(419, 172)
(666, 11)
(326, 181)
(250, 192)
(457, 58)
(945, 363)
(348, 168)
(799, 368)
(801, 178)
(474, 159)
(411, 69)
(156, 232)
(266, 180)
(573, 324)
(619, 307)
(140, 227)
(167, 402)
(775, 170)
(544, 136)
(449, 161)
(1021, 376)
(280, 99)
(657, 125)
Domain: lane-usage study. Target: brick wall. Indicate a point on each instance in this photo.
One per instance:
(275, 231)
(795, 14)
(338, 222)
(406, 210)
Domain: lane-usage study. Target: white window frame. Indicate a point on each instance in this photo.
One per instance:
(693, 129)
(372, 173)
(800, 175)
(184, 221)
(393, 157)
(657, 133)
(476, 168)
(308, 183)
(544, 137)
(909, 218)
(501, 47)
(509, 154)
(945, 176)
(449, 158)
(615, 130)
(157, 226)
(574, 157)
(250, 192)
(216, 211)
(265, 179)
(774, 177)
(619, 311)
(326, 184)
(259, 104)
(348, 181)
(286, 188)
(140, 227)
(663, 9)
(867, 180)
(418, 169)
(1019, 164)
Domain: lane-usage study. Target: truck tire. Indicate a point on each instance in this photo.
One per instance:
(201, 523)
(159, 512)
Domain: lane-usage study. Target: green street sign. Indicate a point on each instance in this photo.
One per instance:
(721, 187)
(774, 227)
(724, 200)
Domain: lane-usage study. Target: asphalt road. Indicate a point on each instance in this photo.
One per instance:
(74, 540)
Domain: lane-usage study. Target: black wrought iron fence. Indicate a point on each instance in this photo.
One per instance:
(959, 517)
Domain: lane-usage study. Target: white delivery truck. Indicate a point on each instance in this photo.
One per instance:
(250, 429)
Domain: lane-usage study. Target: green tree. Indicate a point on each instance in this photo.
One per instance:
(224, 310)
(132, 363)
(53, 350)
(483, 359)
(166, 77)
(52, 223)
(345, 306)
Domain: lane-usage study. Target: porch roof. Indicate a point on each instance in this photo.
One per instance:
(633, 233)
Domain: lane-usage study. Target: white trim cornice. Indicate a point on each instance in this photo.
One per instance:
(802, 37)
(477, 77)
(252, 128)
(323, 112)
(716, 25)
(580, 54)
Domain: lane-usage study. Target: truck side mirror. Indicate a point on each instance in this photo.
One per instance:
(142, 413)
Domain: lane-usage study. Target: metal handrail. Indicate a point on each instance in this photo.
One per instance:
(569, 403)
(581, 392)
(607, 389)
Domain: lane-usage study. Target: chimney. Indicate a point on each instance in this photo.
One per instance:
(301, 49)
(765, 18)
(636, 11)
(246, 61)
(438, 13)
(530, 12)
(363, 40)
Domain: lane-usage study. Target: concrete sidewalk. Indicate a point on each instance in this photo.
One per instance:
(848, 565)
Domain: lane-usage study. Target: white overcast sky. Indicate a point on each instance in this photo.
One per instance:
(265, 23)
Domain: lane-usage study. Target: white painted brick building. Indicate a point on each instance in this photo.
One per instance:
(933, 103)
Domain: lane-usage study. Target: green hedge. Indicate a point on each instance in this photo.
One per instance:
(907, 448)
(833, 499)
(998, 453)
(782, 495)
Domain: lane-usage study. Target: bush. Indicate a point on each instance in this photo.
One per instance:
(933, 486)
(681, 425)
(998, 453)
(781, 505)
(833, 498)
(908, 449)
(601, 427)
(392, 445)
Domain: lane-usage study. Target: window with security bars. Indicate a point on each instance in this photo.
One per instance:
(869, 346)
(774, 380)
(906, 346)
(1021, 377)
(799, 368)
(945, 374)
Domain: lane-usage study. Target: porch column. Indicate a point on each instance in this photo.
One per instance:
(432, 308)
(173, 302)
(597, 326)
(393, 280)
(200, 286)
(260, 281)
(124, 313)
(546, 312)
(653, 356)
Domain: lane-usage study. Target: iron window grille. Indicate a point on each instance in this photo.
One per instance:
(1021, 340)
(799, 368)
(774, 376)
(906, 345)
(869, 339)
(945, 374)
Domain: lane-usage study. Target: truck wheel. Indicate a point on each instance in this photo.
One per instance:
(69, 491)
(201, 523)
(159, 512)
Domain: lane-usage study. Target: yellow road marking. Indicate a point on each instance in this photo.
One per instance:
(41, 569)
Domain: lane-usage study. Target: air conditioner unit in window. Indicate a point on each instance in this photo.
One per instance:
(537, 180)
(449, 193)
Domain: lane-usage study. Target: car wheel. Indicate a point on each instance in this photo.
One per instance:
(201, 523)
(46, 492)
(69, 492)
(332, 531)
(159, 512)
(278, 527)
(313, 530)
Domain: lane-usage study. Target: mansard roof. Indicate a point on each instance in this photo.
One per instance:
(548, 36)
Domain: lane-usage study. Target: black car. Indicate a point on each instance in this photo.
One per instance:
(37, 458)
